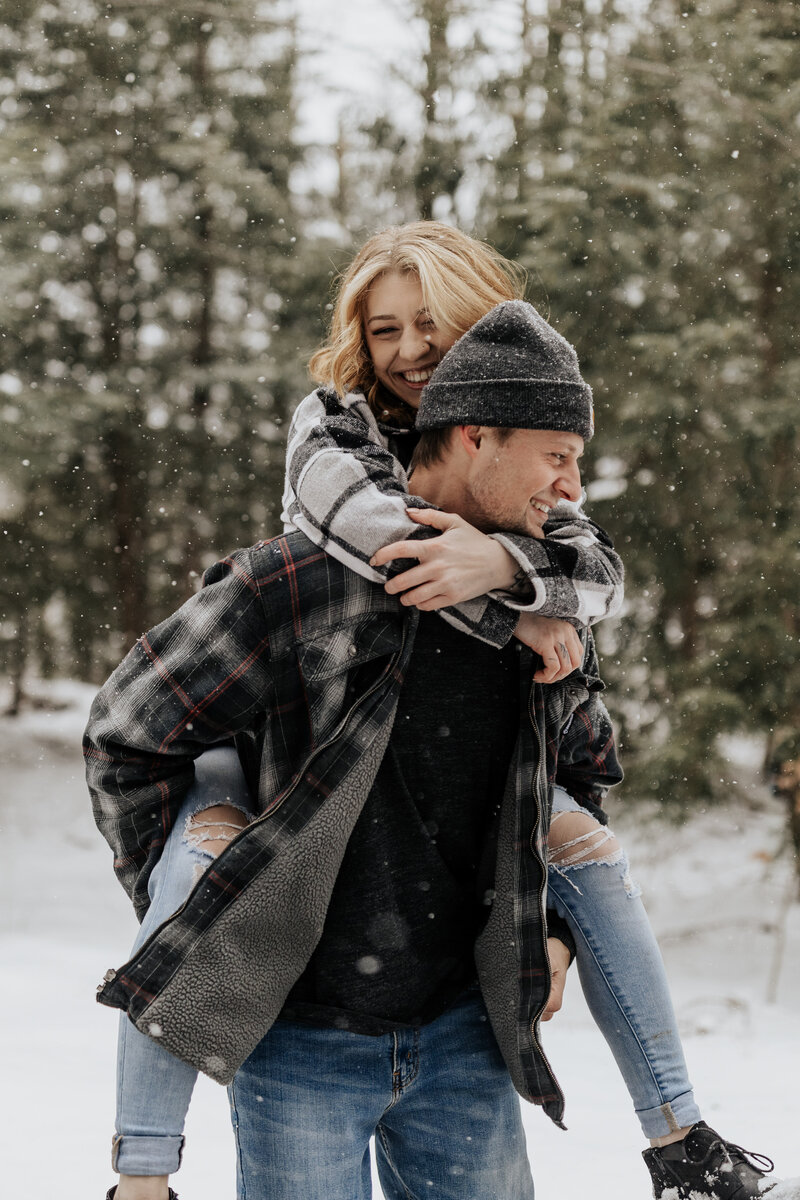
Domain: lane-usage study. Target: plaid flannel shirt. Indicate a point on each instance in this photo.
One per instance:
(302, 660)
(346, 490)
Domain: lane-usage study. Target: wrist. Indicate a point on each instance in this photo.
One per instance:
(507, 574)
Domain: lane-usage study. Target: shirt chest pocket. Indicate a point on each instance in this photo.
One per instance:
(338, 651)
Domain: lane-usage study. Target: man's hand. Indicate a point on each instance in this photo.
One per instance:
(557, 643)
(558, 955)
(459, 565)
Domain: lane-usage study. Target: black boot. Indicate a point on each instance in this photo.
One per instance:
(703, 1164)
(110, 1194)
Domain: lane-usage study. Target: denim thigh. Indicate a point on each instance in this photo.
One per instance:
(438, 1100)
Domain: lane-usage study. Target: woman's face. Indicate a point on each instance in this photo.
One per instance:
(402, 340)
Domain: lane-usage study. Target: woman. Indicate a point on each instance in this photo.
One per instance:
(407, 297)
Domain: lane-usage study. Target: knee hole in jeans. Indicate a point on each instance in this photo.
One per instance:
(576, 839)
(214, 828)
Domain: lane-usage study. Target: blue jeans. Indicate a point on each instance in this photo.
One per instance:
(618, 962)
(623, 979)
(439, 1101)
(153, 1087)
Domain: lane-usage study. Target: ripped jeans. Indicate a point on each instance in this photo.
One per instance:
(153, 1087)
(619, 965)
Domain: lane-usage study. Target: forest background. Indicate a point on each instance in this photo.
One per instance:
(179, 190)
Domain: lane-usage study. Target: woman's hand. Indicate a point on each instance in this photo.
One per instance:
(460, 564)
(556, 642)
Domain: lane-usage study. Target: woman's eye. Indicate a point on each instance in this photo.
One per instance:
(378, 332)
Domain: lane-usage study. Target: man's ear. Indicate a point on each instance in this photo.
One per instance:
(470, 437)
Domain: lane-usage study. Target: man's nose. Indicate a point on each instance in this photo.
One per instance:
(569, 482)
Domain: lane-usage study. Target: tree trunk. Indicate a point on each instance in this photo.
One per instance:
(436, 15)
(19, 657)
(202, 354)
(787, 785)
(129, 549)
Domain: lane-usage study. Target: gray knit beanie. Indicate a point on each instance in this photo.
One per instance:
(510, 369)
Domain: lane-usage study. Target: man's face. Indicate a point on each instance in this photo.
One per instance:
(512, 484)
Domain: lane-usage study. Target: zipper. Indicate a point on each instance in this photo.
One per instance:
(338, 731)
(541, 769)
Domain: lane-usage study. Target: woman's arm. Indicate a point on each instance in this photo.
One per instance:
(344, 489)
(349, 494)
(573, 572)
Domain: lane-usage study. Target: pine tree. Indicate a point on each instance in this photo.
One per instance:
(648, 185)
(713, 417)
(151, 247)
(395, 171)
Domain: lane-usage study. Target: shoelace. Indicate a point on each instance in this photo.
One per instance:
(752, 1159)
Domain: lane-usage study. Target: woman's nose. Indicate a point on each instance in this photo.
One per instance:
(413, 345)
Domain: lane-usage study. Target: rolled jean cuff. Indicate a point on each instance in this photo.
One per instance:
(131, 1155)
(668, 1118)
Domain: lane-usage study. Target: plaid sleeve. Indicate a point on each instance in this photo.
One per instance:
(344, 489)
(194, 680)
(573, 572)
(348, 494)
(587, 760)
(587, 756)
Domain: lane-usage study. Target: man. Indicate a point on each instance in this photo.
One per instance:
(338, 962)
(391, 776)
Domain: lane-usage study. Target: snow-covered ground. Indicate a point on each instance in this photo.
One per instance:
(718, 898)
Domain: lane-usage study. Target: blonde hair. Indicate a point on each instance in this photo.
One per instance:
(461, 280)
